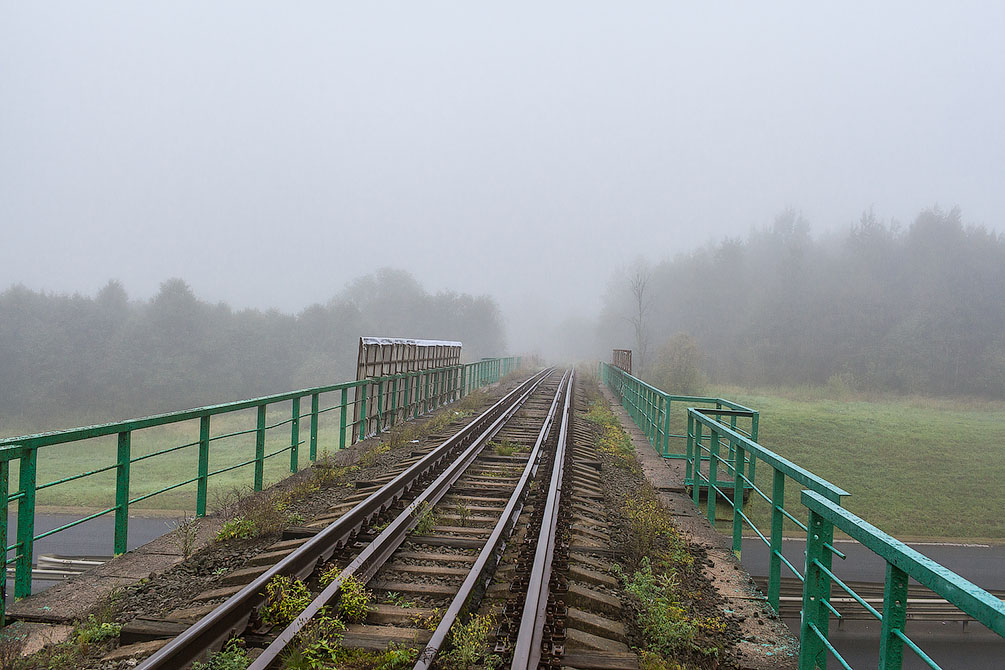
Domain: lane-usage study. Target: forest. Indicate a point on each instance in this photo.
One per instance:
(83, 358)
(917, 309)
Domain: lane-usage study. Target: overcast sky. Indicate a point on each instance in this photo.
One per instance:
(270, 152)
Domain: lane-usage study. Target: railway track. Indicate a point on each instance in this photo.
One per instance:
(504, 518)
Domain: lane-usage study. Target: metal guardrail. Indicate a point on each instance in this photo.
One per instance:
(424, 391)
(902, 563)
(743, 451)
(737, 452)
(652, 410)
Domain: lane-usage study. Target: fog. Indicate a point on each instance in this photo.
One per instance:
(271, 154)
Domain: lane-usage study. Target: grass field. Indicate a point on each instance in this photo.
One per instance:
(915, 467)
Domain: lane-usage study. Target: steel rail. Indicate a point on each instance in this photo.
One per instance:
(376, 554)
(527, 651)
(232, 616)
(497, 540)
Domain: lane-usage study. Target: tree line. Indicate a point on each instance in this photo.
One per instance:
(109, 357)
(917, 309)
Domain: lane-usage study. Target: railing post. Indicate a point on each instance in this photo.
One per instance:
(738, 461)
(295, 436)
(4, 491)
(666, 426)
(342, 419)
(464, 380)
(315, 400)
(416, 391)
(753, 438)
(713, 472)
(394, 399)
(816, 590)
(696, 487)
(362, 409)
(775, 546)
(260, 448)
(891, 647)
(689, 453)
(425, 397)
(201, 485)
(380, 405)
(122, 495)
(25, 523)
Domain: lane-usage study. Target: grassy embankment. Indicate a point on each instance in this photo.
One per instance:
(915, 467)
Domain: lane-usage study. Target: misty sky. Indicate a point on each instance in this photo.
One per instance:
(270, 152)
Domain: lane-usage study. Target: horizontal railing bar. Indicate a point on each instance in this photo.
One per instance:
(848, 589)
(916, 649)
(233, 467)
(973, 600)
(72, 524)
(163, 490)
(73, 477)
(163, 451)
(789, 565)
(279, 451)
(792, 518)
(234, 434)
(823, 638)
(102, 430)
(729, 412)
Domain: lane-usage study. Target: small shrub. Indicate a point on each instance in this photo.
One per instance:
(231, 657)
(95, 630)
(399, 600)
(463, 513)
(666, 624)
(317, 644)
(185, 534)
(237, 528)
(354, 600)
(371, 456)
(285, 599)
(469, 643)
(652, 530)
(507, 448)
(425, 518)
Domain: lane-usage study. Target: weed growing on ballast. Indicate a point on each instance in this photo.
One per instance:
(469, 644)
(286, 597)
(425, 518)
(354, 599)
(231, 657)
(237, 528)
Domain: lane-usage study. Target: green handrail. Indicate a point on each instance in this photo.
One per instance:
(737, 451)
(422, 391)
(651, 409)
(902, 563)
(742, 454)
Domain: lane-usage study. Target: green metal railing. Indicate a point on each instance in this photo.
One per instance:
(737, 454)
(652, 410)
(734, 451)
(902, 563)
(399, 397)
